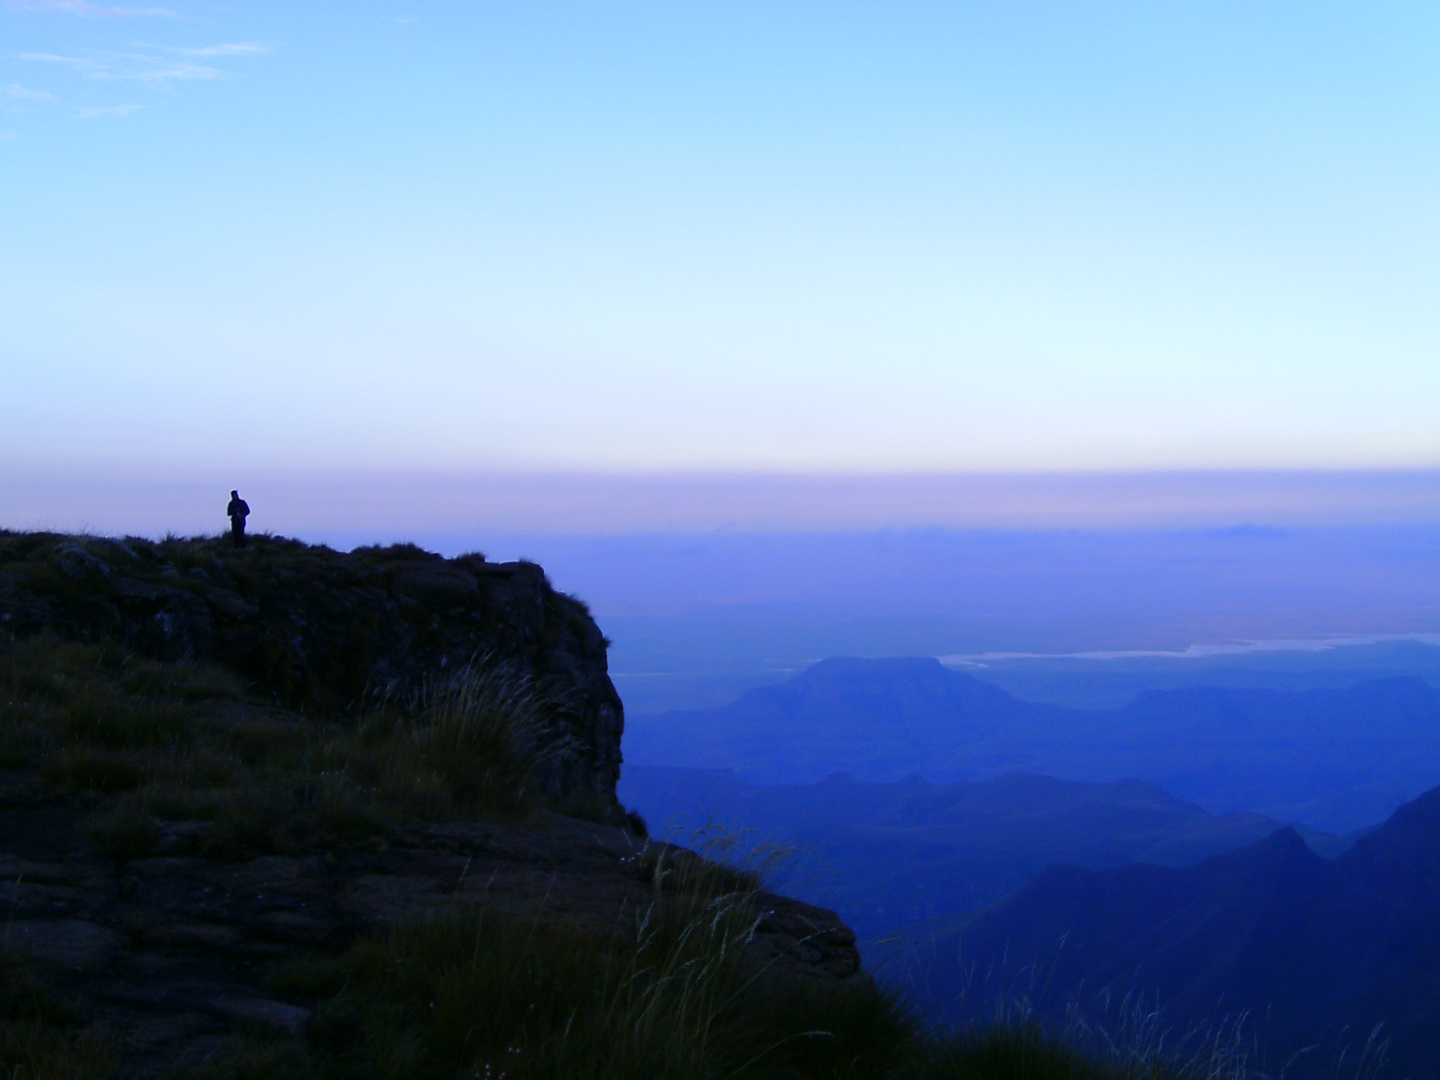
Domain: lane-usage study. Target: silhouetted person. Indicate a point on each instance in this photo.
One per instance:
(238, 510)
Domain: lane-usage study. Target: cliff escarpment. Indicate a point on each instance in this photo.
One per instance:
(286, 812)
(321, 631)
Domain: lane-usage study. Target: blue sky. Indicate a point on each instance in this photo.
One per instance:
(441, 238)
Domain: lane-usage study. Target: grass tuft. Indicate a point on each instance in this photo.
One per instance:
(469, 994)
(41, 1037)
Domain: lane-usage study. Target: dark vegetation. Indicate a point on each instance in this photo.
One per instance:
(149, 742)
(42, 1033)
(162, 752)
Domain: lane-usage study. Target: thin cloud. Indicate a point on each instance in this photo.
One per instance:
(238, 48)
(83, 7)
(106, 110)
(129, 67)
(175, 72)
(16, 92)
(93, 68)
(158, 67)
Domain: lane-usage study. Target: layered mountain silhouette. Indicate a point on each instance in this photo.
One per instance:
(1334, 759)
(891, 855)
(1314, 957)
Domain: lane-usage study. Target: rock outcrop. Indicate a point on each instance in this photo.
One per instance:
(321, 630)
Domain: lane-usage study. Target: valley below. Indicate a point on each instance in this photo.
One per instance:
(1279, 904)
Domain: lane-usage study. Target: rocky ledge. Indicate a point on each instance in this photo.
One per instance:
(170, 955)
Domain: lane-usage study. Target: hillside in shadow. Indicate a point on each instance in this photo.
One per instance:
(1314, 956)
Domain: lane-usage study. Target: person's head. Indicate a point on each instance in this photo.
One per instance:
(234, 494)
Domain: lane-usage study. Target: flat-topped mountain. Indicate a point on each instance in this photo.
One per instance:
(1335, 759)
(1315, 955)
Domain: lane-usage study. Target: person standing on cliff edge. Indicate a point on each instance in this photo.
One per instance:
(238, 510)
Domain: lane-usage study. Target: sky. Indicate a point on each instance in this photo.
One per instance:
(406, 240)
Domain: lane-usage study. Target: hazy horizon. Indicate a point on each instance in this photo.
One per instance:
(346, 508)
(746, 576)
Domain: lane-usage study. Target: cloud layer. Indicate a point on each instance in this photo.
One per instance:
(146, 65)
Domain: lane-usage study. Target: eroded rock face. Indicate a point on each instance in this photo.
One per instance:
(170, 954)
(324, 630)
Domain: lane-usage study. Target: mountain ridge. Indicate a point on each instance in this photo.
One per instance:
(1334, 759)
(894, 856)
(1313, 952)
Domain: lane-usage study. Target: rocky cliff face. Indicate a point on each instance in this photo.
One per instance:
(173, 840)
(322, 631)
